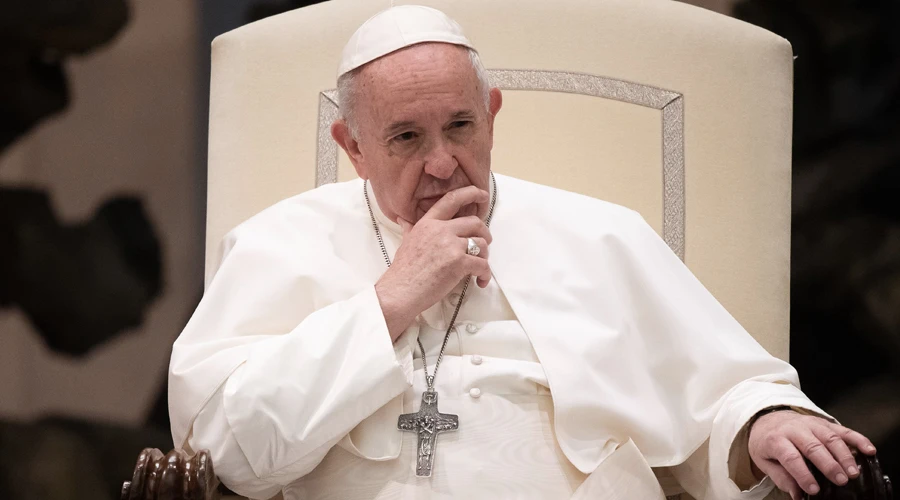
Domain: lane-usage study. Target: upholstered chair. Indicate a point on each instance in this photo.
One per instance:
(672, 110)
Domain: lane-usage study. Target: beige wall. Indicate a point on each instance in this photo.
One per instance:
(130, 129)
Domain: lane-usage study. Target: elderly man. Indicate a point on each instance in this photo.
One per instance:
(343, 350)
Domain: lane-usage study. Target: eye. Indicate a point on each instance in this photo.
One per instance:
(460, 124)
(405, 137)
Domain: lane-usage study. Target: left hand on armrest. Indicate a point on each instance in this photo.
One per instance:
(780, 440)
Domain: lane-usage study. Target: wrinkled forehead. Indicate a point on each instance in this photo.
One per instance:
(421, 86)
(425, 70)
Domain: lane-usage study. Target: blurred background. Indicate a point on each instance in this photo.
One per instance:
(103, 116)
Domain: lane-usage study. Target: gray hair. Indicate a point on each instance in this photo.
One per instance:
(348, 95)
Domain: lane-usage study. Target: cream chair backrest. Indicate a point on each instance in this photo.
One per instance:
(677, 112)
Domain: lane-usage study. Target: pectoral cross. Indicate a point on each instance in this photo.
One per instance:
(427, 422)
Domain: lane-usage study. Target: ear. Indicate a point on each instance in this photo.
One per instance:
(494, 108)
(340, 131)
(496, 102)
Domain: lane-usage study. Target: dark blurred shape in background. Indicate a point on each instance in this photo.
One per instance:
(84, 260)
(845, 260)
(35, 39)
(79, 285)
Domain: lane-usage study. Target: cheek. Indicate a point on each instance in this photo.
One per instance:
(403, 186)
(383, 166)
(476, 155)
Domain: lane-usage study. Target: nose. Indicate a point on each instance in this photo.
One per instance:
(440, 161)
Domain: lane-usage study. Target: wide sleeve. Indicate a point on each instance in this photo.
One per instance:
(281, 359)
(720, 468)
(297, 395)
(723, 373)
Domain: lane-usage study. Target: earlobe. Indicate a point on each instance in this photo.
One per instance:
(340, 132)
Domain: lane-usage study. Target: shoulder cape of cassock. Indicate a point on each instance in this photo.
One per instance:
(633, 346)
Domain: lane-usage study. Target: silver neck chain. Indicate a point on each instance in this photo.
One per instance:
(429, 379)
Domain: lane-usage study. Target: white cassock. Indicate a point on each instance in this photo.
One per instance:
(593, 356)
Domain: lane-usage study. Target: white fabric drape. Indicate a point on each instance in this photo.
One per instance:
(288, 352)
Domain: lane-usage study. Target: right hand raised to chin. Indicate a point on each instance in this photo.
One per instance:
(432, 259)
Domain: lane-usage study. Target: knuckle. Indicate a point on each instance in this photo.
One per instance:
(833, 439)
(812, 448)
(840, 429)
(771, 440)
(791, 458)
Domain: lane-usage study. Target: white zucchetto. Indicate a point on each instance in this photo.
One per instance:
(398, 27)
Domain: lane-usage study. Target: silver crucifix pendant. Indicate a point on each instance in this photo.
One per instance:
(427, 422)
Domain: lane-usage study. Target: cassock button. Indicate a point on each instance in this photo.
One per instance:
(471, 328)
(475, 392)
(476, 360)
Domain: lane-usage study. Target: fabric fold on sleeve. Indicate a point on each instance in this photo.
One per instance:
(312, 386)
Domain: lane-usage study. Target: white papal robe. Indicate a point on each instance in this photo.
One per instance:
(287, 374)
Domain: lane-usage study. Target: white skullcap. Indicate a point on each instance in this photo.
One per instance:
(396, 28)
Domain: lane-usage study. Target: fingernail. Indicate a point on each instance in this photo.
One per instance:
(871, 448)
(842, 479)
(813, 489)
(853, 470)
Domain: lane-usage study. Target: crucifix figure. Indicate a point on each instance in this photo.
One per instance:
(427, 422)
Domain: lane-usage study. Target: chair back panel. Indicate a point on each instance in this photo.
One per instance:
(672, 110)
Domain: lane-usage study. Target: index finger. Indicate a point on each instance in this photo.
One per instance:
(450, 203)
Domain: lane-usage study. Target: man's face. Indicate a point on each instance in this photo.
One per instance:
(423, 129)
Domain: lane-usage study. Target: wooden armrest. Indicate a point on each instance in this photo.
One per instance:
(871, 484)
(173, 476)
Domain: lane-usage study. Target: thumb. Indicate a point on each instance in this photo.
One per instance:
(404, 225)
